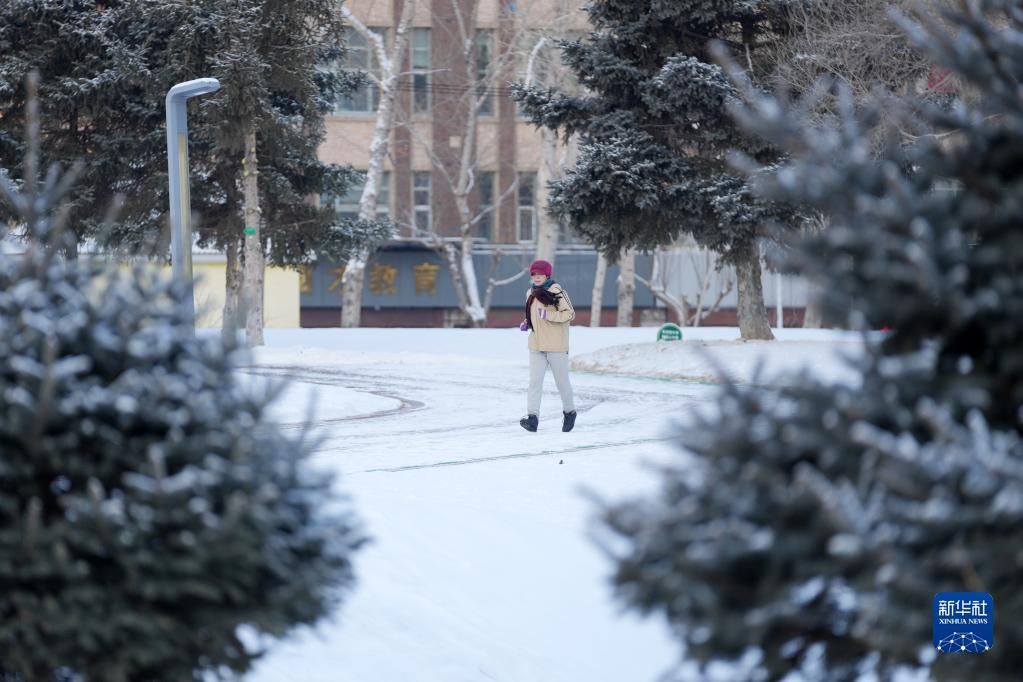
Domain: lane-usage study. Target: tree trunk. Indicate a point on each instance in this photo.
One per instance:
(455, 270)
(547, 228)
(658, 286)
(253, 267)
(626, 288)
(353, 280)
(597, 300)
(232, 293)
(812, 314)
(752, 312)
(475, 311)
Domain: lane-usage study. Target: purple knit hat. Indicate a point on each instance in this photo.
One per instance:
(542, 267)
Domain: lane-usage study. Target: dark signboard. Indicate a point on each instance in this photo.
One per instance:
(410, 276)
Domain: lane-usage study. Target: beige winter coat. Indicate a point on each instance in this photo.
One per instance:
(551, 335)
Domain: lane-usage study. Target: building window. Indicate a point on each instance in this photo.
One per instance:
(485, 198)
(527, 207)
(420, 70)
(422, 216)
(347, 206)
(361, 57)
(484, 93)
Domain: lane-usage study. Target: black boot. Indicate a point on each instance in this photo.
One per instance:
(529, 422)
(569, 421)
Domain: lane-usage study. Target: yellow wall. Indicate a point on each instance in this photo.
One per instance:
(280, 296)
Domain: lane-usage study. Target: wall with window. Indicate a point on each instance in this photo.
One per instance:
(484, 72)
(422, 200)
(421, 60)
(433, 82)
(361, 57)
(347, 206)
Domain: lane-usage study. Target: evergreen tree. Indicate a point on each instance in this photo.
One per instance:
(155, 523)
(814, 524)
(655, 133)
(97, 105)
(272, 57)
(106, 68)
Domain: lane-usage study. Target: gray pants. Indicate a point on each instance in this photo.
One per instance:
(538, 363)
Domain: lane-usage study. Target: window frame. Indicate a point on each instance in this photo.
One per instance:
(526, 209)
(419, 208)
(348, 205)
(484, 49)
(485, 180)
(370, 92)
(422, 102)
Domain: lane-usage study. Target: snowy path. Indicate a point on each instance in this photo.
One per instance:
(480, 566)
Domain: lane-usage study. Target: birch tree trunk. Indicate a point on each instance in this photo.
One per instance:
(751, 311)
(252, 268)
(658, 286)
(232, 292)
(812, 313)
(354, 277)
(455, 267)
(547, 228)
(555, 156)
(626, 288)
(597, 299)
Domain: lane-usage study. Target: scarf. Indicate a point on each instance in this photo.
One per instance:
(542, 293)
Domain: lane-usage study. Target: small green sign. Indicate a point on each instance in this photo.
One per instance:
(250, 230)
(669, 332)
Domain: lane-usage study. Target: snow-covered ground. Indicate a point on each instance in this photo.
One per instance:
(481, 566)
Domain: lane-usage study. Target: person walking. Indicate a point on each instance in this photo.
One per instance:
(548, 314)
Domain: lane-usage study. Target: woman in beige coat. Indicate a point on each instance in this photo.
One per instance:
(548, 314)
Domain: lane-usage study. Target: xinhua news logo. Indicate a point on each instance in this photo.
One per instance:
(964, 622)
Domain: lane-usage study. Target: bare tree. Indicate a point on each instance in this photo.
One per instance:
(666, 287)
(812, 314)
(597, 300)
(626, 287)
(854, 41)
(658, 285)
(545, 66)
(457, 162)
(707, 272)
(386, 80)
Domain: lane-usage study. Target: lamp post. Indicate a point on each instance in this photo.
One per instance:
(177, 177)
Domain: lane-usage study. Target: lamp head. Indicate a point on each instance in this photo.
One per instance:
(199, 86)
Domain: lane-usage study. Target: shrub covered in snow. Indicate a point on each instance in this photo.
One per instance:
(154, 522)
(815, 524)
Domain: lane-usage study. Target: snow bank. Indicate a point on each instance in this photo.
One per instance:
(776, 361)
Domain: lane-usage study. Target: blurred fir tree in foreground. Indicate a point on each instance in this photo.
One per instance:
(155, 524)
(812, 525)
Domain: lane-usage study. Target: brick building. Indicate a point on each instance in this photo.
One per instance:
(453, 91)
(433, 120)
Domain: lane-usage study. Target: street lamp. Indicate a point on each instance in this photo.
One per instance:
(177, 176)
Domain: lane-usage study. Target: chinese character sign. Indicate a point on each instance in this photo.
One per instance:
(964, 622)
(382, 279)
(338, 273)
(305, 279)
(426, 278)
